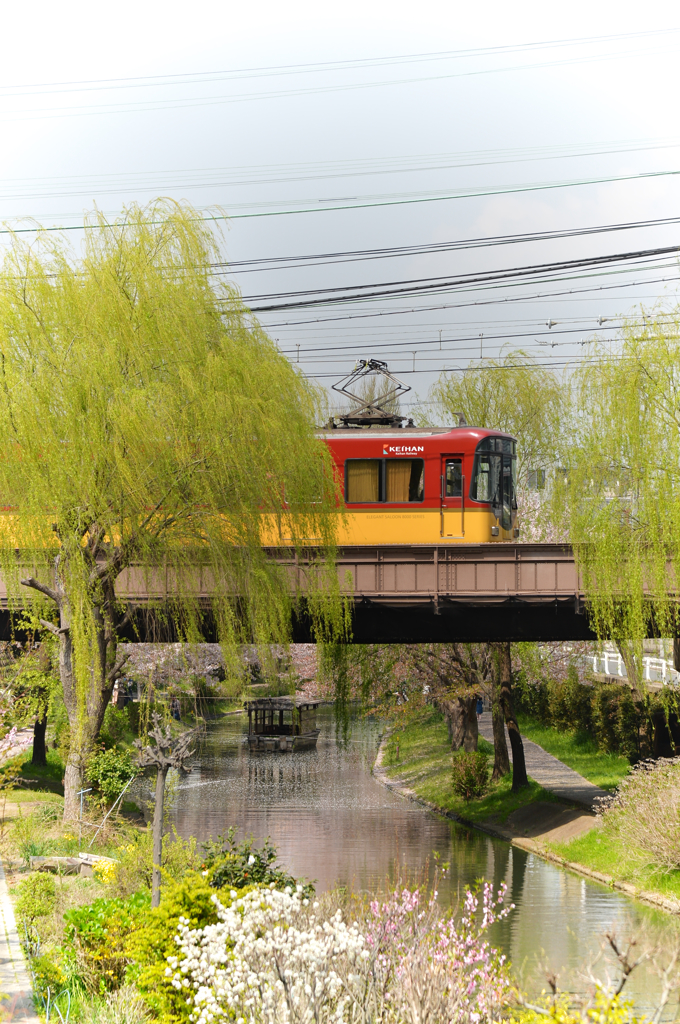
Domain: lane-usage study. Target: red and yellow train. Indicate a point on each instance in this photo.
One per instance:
(407, 485)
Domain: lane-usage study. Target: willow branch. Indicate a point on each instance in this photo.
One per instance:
(57, 630)
(120, 663)
(41, 588)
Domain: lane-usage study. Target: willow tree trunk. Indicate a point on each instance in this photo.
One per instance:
(632, 655)
(158, 837)
(519, 768)
(39, 757)
(501, 759)
(85, 714)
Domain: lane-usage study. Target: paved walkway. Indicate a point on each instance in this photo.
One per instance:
(545, 769)
(15, 981)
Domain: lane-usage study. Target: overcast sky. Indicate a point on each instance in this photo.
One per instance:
(362, 126)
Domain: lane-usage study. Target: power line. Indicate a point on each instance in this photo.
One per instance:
(477, 194)
(357, 255)
(418, 286)
(280, 69)
(316, 90)
(92, 185)
(473, 303)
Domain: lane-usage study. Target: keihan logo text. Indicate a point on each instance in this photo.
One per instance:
(402, 449)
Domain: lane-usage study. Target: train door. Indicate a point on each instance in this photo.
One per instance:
(452, 497)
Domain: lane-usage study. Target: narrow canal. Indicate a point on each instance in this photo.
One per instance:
(334, 824)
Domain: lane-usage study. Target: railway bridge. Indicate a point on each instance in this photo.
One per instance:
(429, 593)
(420, 593)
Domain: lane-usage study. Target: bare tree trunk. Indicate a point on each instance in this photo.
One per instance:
(471, 737)
(632, 659)
(73, 783)
(676, 653)
(501, 761)
(39, 757)
(158, 837)
(519, 768)
(457, 717)
(461, 719)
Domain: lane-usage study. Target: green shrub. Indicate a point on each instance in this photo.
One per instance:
(98, 934)
(115, 726)
(148, 946)
(28, 837)
(240, 864)
(470, 774)
(109, 771)
(619, 722)
(47, 975)
(36, 897)
(135, 861)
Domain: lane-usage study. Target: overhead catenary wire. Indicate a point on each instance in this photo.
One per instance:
(488, 338)
(482, 367)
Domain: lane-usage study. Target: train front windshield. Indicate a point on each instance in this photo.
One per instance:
(494, 477)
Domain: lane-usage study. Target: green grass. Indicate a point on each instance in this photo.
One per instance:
(35, 778)
(31, 796)
(579, 750)
(419, 755)
(600, 851)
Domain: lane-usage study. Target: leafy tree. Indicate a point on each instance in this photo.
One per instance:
(454, 676)
(622, 492)
(148, 424)
(168, 752)
(32, 681)
(518, 396)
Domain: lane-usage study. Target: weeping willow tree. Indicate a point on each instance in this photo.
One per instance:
(621, 496)
(513, 394)
(148, 424)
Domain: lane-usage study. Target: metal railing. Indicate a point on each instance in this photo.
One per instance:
(655, 670)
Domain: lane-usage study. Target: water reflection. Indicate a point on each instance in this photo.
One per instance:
(332, 822)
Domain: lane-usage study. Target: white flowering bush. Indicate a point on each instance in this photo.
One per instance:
(272, 959)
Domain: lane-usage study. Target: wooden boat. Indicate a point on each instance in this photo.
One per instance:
(282, 723)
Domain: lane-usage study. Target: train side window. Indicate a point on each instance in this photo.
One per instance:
(362, 480)
(416, 487)
(384, 480)
(404, 480)
(454, 478)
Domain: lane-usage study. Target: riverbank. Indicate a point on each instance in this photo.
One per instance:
(416, 763)
(579, 751)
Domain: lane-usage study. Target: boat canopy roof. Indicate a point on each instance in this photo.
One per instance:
(281, 704)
